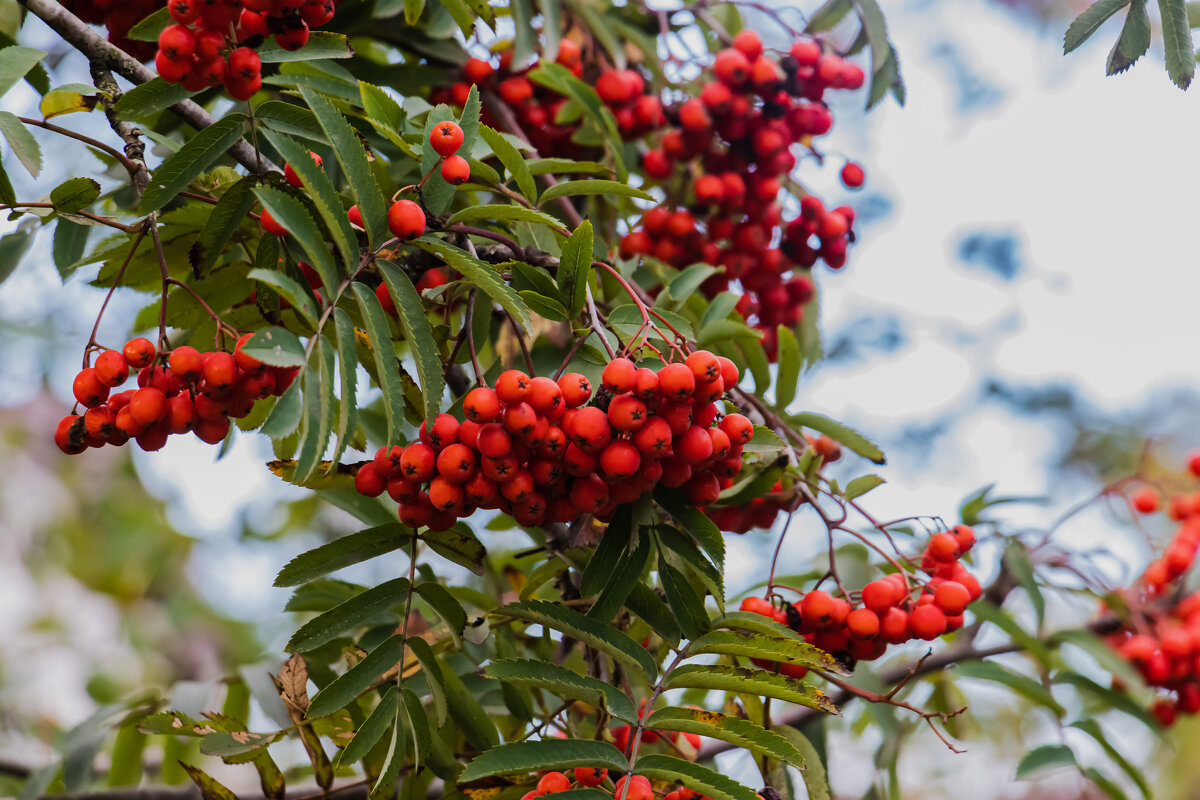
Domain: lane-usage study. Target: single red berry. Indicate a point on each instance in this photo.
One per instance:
(455, 170)
(148, 406)
(220, 372)
(293, 38)
(446, 138)
(270, 225)
(676, 382)
(482, 405)
(951, 597)
(70, 435)
(88, 388)
(185, 363)
(863, 623)
(512, 387)
(111, 368)
(138, 352)
(576, 389)
(590, 776)
(927, 622)
(177, 42)
(619, 375)
(368, 481)
(553, 782)
(1146, 500)
(732, 67)
(852, 175)
(406, 220)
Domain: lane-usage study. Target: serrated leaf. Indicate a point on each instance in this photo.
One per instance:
(150, 27)
(788, 378)
(15, 62)
(449, 609)
(317, 421)
(289, 290)
(70, 242)
(741, 732)
(591, 186)
(384, 786)
(1093, 729)
(828, 15)
(840, 433)
(764, 646)
(226, 217)
(195, 156)
(380, 337)
(277, 347)
(344, 552)
(1177, 42)
(149, 98)
(512, 160)
(574, 268)
(503, 213)
(681, 551)
(562, 682)
(816, 782)
(482, 275)
(350, 614)
(210, 788)
(1026, 687)
(696, 777)
(1134, 40)
(292, 119)
(1089, 22)
(350, 684)
(380, 720)
(348, 379)
(466, 711)
(696, 522)
(596, 634)
(320, 44)
(418, 333)
(74, 195)
(621, 577)
(14, 246)
(353, 159)
(458, 546)
(23, 145)
(323, 195)
(861, 485)
(544, 306)
(284, 418)
(1041, 760)
(723, 678)
(543, 755)
(555, 166)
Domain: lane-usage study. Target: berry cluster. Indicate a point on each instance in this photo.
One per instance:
(119, 16)
(538, 108)
(1161, 637)
(195, 391)
(724, 163)
(213, 41)
(640, 787)
(886, 612)
(548, 451)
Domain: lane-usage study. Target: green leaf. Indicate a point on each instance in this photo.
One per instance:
(876, 30)
(543, 755)
(698, 778)
(1109, 698)
(544, 306)
(1017, 562)
(681, 551)
(322, 193)
(1026, 687)
(353, 159)
(686, 603)
(284, 418)
(384, 786)
(620, 581)
(1089, 22)
(790, 363)
(23, 145)
(457, 545)
(340, 553)
(1134, 40)
(601, 636)
(380, 337)
(743, 733)
(1177, 42)
(418, 726)
(318, 417)
(466, 711)
(418, 333)
(828, 15)
(574, 268)
(380, 720)
(277, 347)
(696, 522)
(149, 28)
(1104, 783)
(841, 433)
(195, 156)
(765, 646)
(356, 611)
(591, 186)
(815, 779)
(555, 166)
(289, 290)
(384, 113)
(1093, 729)
(348, 378)
(292, 119)
(504, 213)
(149, 98)
(985, 611)
(13, 247)
(320, 44)
(861, 485)
(15, 62)
(562, 682)
(613, 545)
(413, 10)
(746, 621)
(1109, 659)
(449, 609)
(512, 160)
(742, 680)
(226, 217)
(75, 194)
(350, 684)
(482, 275)
(70, 242)
(1041, 760)
(210, 788)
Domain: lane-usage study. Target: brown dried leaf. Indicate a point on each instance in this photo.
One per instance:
(293, 684)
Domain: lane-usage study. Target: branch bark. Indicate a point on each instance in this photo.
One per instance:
(104, 56)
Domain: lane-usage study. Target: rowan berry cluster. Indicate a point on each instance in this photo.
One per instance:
(538, 108)
(890, 610)
(1161, 636)
(549, 451)
(119, 16)
(213, 42)
(194, 391)
(724, 163)
(640, 787)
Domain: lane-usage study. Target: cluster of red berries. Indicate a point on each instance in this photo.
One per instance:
(194, 391)
(405, 218)
(537, 107)
(1162, 636)
(886, 612)
(640, 787)
(119, 16)
(548, 451)
(729, 151)
(213, 41)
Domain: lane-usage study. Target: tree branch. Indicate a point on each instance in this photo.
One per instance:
(105, 56)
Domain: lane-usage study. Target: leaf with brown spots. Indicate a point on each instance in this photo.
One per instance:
(292, 683)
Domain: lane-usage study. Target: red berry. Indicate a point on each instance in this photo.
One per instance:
(732, 67)
(293, 38)
(619, 375)
(455, 170)
(185, 363)
(111, 368)
(863, 623)
(406, 220)
(70, 435)
(951, 597)
(1146, 500)
(852, 175)
(553, 782)
(589, 776)
(927, 622)
(88, 388)
(138, 352)
(368, 481)
(446, 138)
(576, 389)
(148, 406)
(177, 42)
(270, 225)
